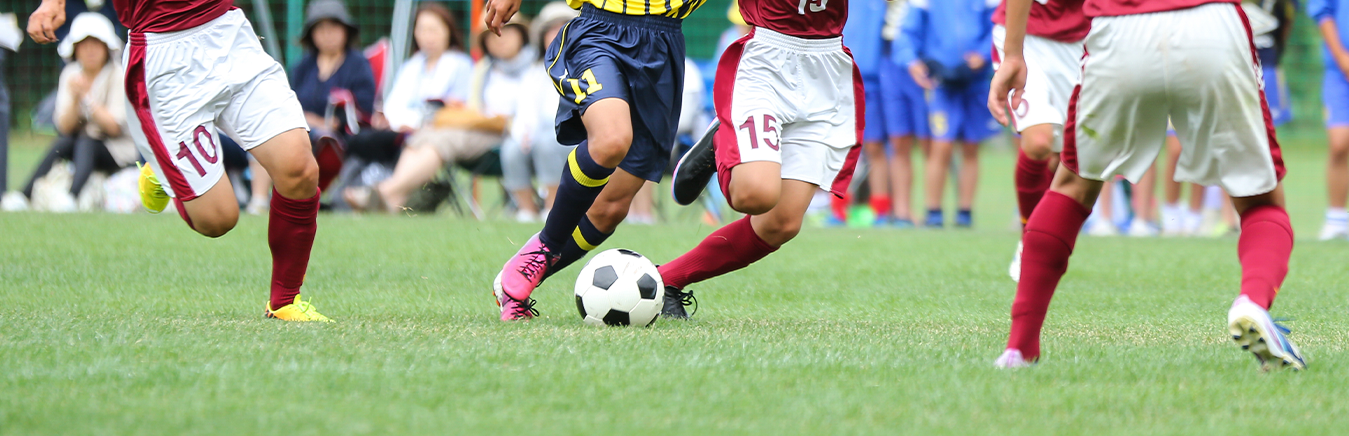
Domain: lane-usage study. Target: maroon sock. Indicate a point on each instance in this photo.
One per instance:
(1265, 244)
(880, 205)
(1032, 180)
(839, 205)
(727, 249)
(1049, 238)
(290, 234)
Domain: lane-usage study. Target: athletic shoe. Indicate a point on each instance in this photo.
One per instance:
(1101, 227)
(153, 196)
(524, 271)
(1015, 269)
(696, 168)
(1011, 358)
(1333, 230)
(882, 222)
(964, 219)
(512, 309)
(1141, 229)
(675, 302)
(13, 201)
(1255, 331)
(833, 221)
(934, 219)
(902, 223)
(296, 311)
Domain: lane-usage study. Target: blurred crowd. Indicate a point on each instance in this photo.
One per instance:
(469, 107)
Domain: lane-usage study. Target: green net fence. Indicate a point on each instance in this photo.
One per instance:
(31, 73)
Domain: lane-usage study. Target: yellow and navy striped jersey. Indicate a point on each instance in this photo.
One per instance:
(671, 8)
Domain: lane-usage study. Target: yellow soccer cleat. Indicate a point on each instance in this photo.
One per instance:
(153, 196)
(298, 311)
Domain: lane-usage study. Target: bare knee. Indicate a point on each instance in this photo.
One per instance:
(875, 151)
(606, 214)
(297, 179)
(609, 147)
(777, 230)
(752, 201)
(216, 224)
(1339, 152)
(1038, 145)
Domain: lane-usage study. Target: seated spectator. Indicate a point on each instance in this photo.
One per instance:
(439, 71)
(90, 108)
(331, 64)
(532, 150)
(462, 131)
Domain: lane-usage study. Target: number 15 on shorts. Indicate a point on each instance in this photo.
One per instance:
(759, 137)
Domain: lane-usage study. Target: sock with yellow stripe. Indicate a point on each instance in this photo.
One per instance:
(582, 181)
(584, 240)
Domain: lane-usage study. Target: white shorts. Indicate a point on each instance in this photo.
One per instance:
(793, 101)
(1053, 69)
(182, 86)
(1197, 66)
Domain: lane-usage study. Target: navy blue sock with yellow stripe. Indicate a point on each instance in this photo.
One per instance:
(582, 181)
(583, 240)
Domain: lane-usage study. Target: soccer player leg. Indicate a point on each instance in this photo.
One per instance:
(1335, 94)
(874, 143)
(183, 155)
(1094, 149)
(943, 116)
(266, 119)
(1224, 118)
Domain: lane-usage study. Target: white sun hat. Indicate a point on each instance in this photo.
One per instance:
(90, 25)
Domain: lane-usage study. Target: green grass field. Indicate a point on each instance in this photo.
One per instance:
(113, 324)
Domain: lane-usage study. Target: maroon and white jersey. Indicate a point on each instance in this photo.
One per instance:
(811, 19)
(1059, 20)
(159, 16)
(1115, 8)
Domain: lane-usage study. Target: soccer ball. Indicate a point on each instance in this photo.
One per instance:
(619, 287)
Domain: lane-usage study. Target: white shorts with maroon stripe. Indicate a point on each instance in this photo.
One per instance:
(1053, 69)
(182, 86)
(794, 101)
(1198, 66)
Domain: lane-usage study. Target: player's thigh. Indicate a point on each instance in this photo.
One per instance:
(1218, 108)
(752, 120)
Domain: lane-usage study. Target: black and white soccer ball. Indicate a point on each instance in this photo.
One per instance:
(619, 287)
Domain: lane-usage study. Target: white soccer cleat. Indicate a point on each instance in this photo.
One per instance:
(1333, 230)
(1011, 358)
(1101, 227)
(1015, 269)
(1253, 329)
(1141, 229)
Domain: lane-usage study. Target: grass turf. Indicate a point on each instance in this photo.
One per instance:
(115, 324)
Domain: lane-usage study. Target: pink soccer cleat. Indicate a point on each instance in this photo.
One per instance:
(1011, 358)
(526, 269)
(512, 309)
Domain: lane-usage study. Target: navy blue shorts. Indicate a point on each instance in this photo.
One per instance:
(636, 58)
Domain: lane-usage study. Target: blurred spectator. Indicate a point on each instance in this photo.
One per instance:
(1332, 17)
(331, 64)
(863, 36)
(532, 150)
(947, 47)
(90, 108)
(10, 37)
(463, 131)
(439, 72)
(737, 30)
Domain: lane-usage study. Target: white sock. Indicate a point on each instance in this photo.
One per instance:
(1337, 216)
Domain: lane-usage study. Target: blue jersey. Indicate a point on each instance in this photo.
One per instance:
(862, 35)
(1338, 10)
(944, 31)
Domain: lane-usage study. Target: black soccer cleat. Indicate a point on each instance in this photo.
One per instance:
(675, 302)
(696, 168)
